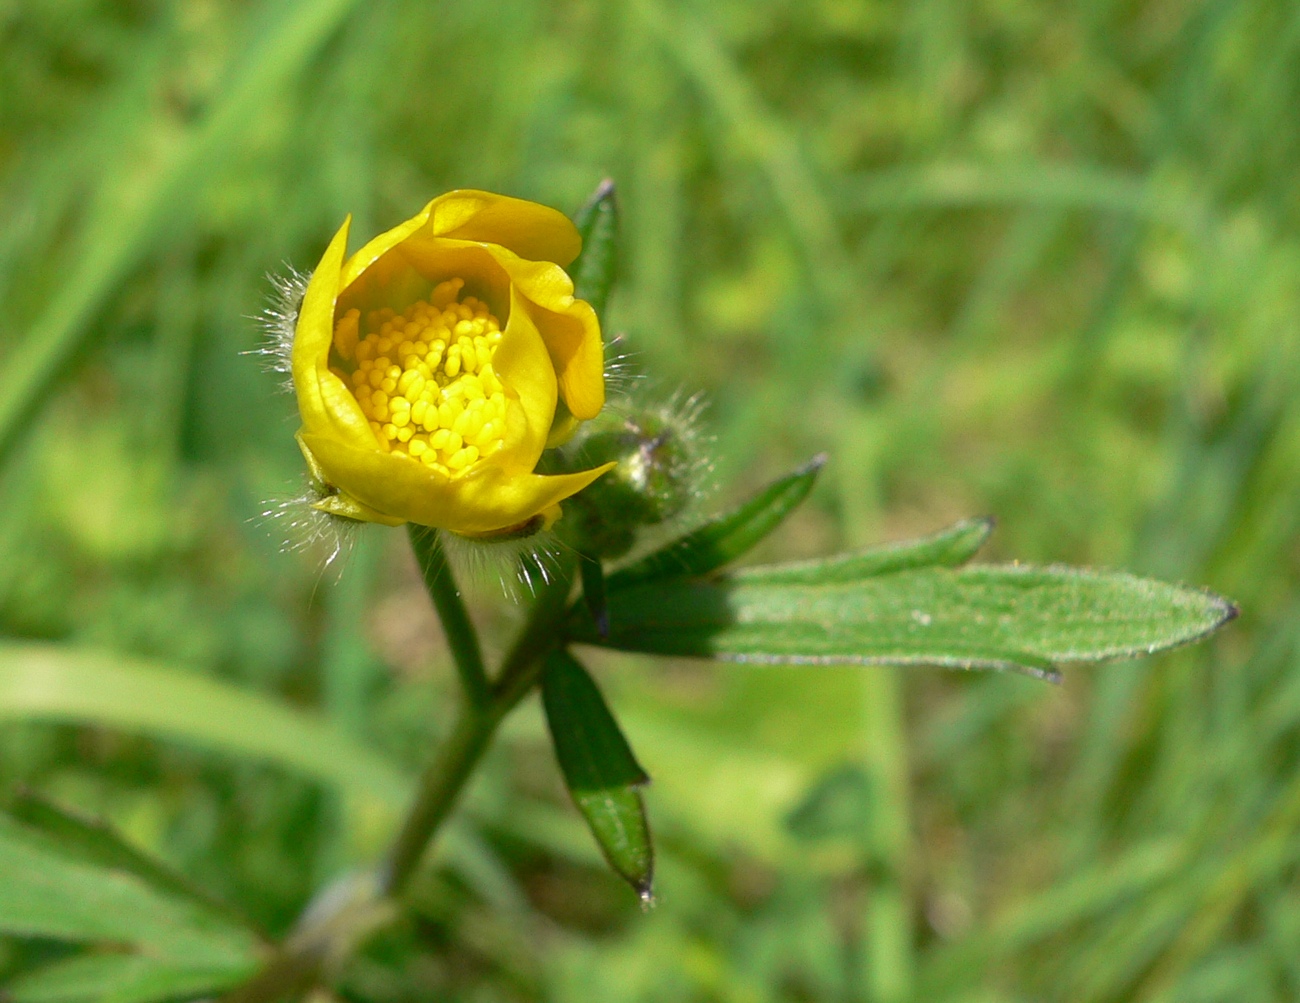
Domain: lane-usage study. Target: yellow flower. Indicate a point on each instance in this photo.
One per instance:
(434, 365)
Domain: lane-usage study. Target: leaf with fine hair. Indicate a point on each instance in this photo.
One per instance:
(977, 617)
(947, 548)
(723, 538)
(599, 769)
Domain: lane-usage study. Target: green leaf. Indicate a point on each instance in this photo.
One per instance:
(948, 548)
(596, 267)
(94, 842)
(65, 684)
(118, 978)
(46, 894)
(599, 768)
(982, 616)
(725, 537)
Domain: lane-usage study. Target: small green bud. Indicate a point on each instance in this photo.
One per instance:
(657, 452)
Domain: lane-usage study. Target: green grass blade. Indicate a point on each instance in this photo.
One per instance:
(42, 681)
(46, 894)
(118, 978)
(94, 842)
(135, 209)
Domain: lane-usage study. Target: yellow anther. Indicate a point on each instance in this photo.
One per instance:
(445, 292)
(441, 403)
(462, 458)
(346, 333)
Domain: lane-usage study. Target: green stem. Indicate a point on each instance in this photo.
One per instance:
(461, 636)
(324, 939)
(439, 788)
(446, 775)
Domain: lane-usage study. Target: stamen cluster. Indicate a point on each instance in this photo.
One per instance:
(424, 377)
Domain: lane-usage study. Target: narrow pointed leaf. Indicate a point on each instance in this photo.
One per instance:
(948, 548)
(981, 616)
(599, 769)
(723, 538)
(596, 268)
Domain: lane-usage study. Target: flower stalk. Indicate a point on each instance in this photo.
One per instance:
(334, 925)
(461, 637)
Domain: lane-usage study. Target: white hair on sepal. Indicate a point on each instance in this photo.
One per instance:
(621, 373)
(279, 320)
(519, 566)
(301, 528)
(682, 412)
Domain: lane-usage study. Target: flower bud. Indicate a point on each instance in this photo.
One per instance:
(657, 461)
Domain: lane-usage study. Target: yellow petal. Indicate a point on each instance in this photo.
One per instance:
(532, 231)
(568, 326)
(524, 368)
(482, 502)
(326, 406)
(381, 245)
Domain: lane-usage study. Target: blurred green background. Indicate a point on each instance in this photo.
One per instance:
(1035, 260)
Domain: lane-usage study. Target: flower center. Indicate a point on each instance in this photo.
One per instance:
(424, 378)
